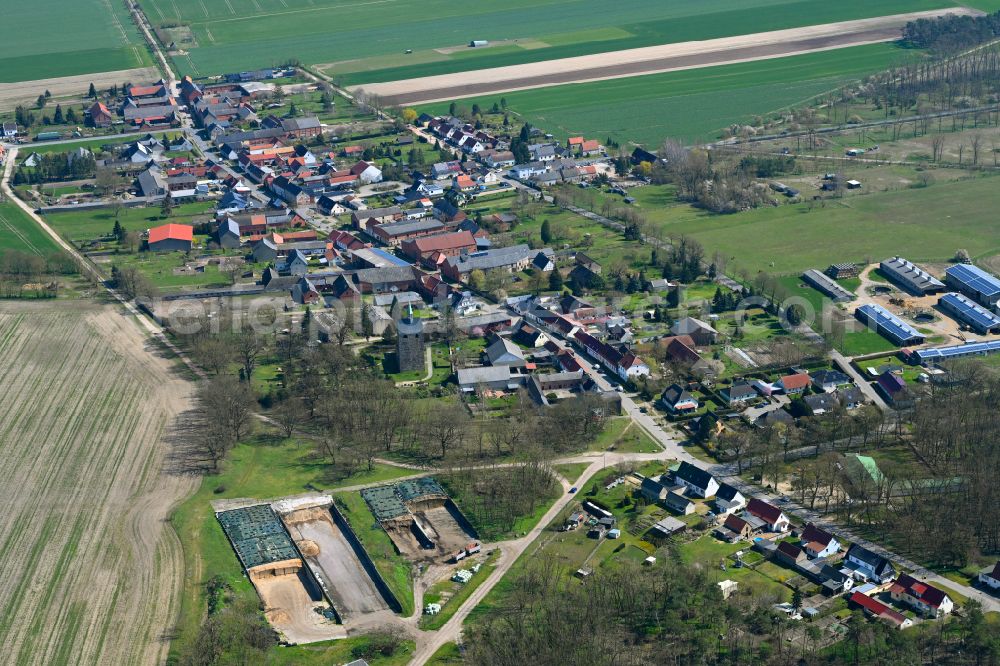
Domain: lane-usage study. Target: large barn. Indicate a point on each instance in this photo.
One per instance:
(171, 237)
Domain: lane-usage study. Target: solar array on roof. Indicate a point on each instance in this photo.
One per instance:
(910, 276)
(969, 312)
(957, 351)
(974, 282)
(888, 324)
(257, 535)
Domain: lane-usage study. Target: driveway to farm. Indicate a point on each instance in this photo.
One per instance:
(650, 59)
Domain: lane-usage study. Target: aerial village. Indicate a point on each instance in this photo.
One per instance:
(464, 260)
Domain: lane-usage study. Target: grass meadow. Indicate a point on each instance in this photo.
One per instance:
(52, 38)
(924, 225)
(692, 104)
(233, 36)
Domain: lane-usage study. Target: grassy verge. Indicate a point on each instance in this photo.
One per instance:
(435, 622)
(446, 655)
(571, 471)
(338, 652)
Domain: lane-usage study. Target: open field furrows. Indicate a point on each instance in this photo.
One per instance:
(54, 38)
(649, 60)
(350, 31)
(91, 572)
(694, 104)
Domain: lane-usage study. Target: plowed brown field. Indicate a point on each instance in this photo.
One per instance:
(91, 569)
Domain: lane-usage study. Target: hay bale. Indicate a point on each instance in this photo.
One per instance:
(309, 548)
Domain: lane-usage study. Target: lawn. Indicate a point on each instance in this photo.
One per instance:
(691, 104)
(860, 343)
(86, 36)
(85, 225)
(262, 469)
(20, 232)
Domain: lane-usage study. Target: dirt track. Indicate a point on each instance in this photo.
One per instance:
(649, 60)
(92, 572)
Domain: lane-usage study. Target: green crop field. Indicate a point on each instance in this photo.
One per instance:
(233, 36)
(19, 232)
(692, 104)
(52, 38)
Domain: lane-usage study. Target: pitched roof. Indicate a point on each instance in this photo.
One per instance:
(871, 605)
(694, 475)
(171, 231)
(677, 502)
(874, 562)
(690, 325)
(920, 590)
(995, 574)
(763, 510)
(892, 383)
(449, 241)
(675, 394)
(829, 377)
(735, 523)
(726, 492)
(503, 347)
(789, 550)
(813, 534)
(796, 381)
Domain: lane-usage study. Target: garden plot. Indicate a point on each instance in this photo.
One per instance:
(327, 549)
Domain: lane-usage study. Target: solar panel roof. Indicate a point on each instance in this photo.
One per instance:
(888, 322)
(969, 311)
(939, 353)
(975, 279)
